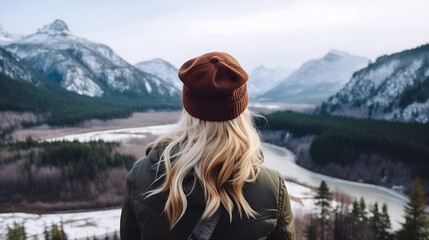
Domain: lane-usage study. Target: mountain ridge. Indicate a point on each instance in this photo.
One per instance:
(7, 37)
(161, 69)
(395, 87)
(262, 79)
(316, 79)
(85, 67)
(24, 89)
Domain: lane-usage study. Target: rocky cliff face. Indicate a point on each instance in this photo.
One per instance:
(161, 69)
(14, 68)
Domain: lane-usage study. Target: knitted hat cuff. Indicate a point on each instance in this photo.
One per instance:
(215, 112)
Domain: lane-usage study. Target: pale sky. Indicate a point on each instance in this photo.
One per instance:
(283, 33)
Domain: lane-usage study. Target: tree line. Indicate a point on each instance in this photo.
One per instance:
(77, 160)
(54, 232)
(75, 175)
(342, 223)
(327, 222)
(61, 107)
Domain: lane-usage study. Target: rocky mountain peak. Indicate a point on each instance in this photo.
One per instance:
(6, 36)
(55, 28)
(3, 31)
(336, 54)
(260, 68)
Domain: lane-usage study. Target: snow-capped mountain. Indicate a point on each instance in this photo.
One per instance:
(262, 79)
(317, 79)
(85, 67)
(394, 87)
(162, 69)
(14, 68)
(7, 37)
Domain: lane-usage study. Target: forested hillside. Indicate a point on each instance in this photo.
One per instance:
(66, 108)
(342, 139)
(395, 87)
(46, 176)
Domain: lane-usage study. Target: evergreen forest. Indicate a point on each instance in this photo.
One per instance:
(60, 107)
(73, 175)
(343, 140)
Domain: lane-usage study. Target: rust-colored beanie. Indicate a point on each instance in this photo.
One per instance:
(214, 87)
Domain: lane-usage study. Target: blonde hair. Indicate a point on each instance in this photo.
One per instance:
(224, 155)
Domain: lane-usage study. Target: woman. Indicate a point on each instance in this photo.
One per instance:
(205, 179)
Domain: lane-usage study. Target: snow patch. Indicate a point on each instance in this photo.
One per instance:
(117, 135)
(416, 111)
(148, 87)
(75, 80)
(11, 67)
(379, 75)
(161, 69)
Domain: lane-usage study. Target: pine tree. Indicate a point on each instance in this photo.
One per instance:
(338, 224)
(115, 236)
(375, 221)
(363, 218)
(63, 234)
(360, 228)
(323, 201)
(17, 232)
(355, 213)
(416, 225)
(385, 224)
(46, 233)
(57, 232)
(310, 231)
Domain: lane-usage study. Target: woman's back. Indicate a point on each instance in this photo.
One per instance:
(267, 196)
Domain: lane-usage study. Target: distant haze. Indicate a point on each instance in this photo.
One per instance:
(272, 33)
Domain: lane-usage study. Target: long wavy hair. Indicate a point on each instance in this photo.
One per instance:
(224, 156)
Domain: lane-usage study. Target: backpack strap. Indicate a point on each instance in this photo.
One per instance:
(204, 228)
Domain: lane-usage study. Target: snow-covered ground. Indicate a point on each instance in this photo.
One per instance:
(116, 135)
(76, 225)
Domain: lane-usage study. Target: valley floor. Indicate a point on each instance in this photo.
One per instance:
(139, 119)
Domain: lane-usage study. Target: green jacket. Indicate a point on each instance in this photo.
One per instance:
(143, 218)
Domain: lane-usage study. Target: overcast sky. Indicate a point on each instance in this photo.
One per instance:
(280, 33)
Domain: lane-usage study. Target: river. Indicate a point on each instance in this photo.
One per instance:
(278, 158)
(283, 161)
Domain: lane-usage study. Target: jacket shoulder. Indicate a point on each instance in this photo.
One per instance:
(269, 173)
(269, 179)
(263, 194)
(141, 174)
